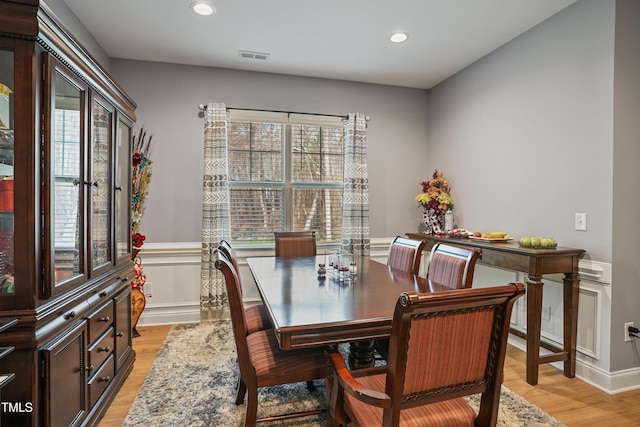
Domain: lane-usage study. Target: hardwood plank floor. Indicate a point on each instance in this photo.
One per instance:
(572, 401)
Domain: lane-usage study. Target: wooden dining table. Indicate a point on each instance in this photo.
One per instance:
(309, 311)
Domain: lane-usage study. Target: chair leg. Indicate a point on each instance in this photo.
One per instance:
(241, 390)
(311, 386)
(252, 408)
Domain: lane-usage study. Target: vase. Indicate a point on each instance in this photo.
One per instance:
(433, 221)
(138, 301)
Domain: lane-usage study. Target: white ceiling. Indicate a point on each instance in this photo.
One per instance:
(336, 39)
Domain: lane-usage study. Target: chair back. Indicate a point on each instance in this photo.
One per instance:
(291, 244)
(456, 347)
(236, 308)
(405, 254)
(230, 253)
(452, 266)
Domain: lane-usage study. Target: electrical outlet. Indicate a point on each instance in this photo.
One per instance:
(148, 290)
(546, 313)
(626, 331)
(581, 222)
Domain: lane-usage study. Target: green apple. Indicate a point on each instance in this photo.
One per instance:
(535, 242)
(545, 242)
(525, 241)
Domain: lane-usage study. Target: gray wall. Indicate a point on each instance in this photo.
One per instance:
(168, 96)
(625, 295)
(525, 134)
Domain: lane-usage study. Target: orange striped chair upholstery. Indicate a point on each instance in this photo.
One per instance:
(405, 254)
(290, 244)
(456, 347)
(256, 314)
(452, 266)
(262, 363)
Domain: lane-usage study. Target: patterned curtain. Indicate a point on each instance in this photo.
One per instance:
(355, 204)
(216, 223)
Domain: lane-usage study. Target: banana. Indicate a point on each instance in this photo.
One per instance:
(495, 235)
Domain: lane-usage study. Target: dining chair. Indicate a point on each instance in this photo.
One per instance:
(405, 254)
(444, 346)
(261, 361)
(452, 265)
(256, 315)
(291, 244)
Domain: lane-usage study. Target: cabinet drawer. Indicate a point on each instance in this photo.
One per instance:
(101, 349)
(99, 382)
(100, 320)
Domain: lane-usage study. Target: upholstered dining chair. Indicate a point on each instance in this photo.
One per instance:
(291, 244)
(256, 314)
(262, 363)
(405, 254)
(456, 348)
(452, 265)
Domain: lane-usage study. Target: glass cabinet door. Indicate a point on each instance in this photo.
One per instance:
(64, 236)
(123, 191)
(100, 185)
(6, 173)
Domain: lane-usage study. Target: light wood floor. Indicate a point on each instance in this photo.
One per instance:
(572, 401)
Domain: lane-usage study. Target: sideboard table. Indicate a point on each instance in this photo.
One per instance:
(535, 263)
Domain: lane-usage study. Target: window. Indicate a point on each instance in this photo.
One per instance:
(285, 173)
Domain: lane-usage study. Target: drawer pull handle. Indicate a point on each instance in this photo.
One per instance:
(103, 294)
(120, 334)
(106, 349)
(89, 368)
(104, 319)
(71, 315)
(105, 379)
(124, 279)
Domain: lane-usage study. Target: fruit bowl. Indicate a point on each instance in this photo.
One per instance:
(535, 242)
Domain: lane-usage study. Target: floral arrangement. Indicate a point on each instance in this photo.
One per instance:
(140, 179)
(436, 194)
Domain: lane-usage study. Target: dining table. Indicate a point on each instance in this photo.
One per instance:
(308, 310)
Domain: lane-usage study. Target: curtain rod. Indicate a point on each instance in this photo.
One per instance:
(203, 107)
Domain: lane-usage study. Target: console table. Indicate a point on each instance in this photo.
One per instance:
(535, 263)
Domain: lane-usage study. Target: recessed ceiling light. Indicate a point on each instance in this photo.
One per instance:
(399, 37)
(203, 8)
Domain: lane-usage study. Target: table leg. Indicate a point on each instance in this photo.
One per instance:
(534, 320)
(571, 292)
(361, 354)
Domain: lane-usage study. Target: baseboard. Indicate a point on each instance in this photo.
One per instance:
(168, 314)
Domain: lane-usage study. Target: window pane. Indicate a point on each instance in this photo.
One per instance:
(316, 154)
(255, 151)
(320, 210)
(256, 213)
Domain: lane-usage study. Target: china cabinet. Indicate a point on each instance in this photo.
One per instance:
(65, 241)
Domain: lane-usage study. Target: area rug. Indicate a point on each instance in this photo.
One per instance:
(192, 383)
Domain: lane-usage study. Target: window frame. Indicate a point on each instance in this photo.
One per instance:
(287, 184)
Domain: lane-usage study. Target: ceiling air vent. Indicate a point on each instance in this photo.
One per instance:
(253, 55)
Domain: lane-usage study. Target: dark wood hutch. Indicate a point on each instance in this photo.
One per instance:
(65, 240)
